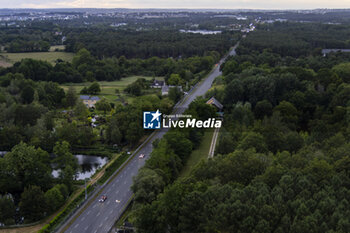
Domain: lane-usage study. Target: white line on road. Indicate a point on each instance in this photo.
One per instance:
(88, 212)
(76, 225)
(86, 228)
(82, 219)
(98, 214)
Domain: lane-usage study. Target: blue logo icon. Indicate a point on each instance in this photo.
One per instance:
(151, 120)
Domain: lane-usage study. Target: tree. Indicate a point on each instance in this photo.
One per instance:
(67, 176)
(32, 205)
(134, 88)
(113, 134)
(175, 80)
(29, 166)
(63, 156)
(54, 199)
(147, 185)
(81, 111)
(288, 113)
(175, 94)
(71, 96)
(94, 88)
(103, 105)
(179, 144)
(7, 210)
(263, 108)
(253, 140)
(27, 95)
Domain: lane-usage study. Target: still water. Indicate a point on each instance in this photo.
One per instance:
(88, 166)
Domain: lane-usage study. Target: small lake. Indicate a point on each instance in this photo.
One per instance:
(88, 166)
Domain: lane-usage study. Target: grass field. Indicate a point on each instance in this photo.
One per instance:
(197, 155)
(45, 56)
(108, 88)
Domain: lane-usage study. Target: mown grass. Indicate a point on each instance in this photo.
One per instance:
(197, 155)
(44, 56)
(108, 88)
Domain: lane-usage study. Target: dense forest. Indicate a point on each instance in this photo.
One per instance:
(144, 44)
(282, 162)
(296, 39)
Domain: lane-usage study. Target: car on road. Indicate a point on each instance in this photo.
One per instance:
(141, 156)
(103, 198)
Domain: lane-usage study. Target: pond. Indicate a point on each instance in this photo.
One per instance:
(88, 166)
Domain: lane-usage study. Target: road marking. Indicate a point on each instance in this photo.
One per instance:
(110, 212)
(124, 182)
(76, 225)
(117, 192)
(82, 219)
(94, 206)
(86, 228)
(106, 218)
(89, 212)
(98, 214)
(100, 225)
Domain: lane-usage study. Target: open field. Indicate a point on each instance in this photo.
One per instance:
(108, 88)
(45, 56)
(197, 155)
(57, 47)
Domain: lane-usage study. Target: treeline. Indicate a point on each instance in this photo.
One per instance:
(37, 37)
(85, 67)
(296, 39)
(146, 44)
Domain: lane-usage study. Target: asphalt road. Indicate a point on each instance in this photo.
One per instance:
(100, 217)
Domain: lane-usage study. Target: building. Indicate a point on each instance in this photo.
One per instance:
(157, 84)
(89, 101)
(165, 89)
(215, 103)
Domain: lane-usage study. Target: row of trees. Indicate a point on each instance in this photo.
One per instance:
(85, 67)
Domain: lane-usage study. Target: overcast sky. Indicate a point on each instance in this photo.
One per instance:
(219, 4)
